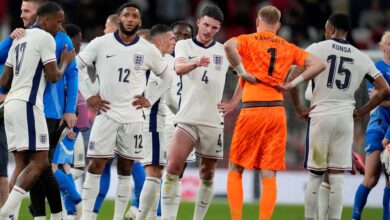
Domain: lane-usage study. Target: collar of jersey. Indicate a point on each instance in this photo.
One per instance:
(340, 40)
(34, 26)
(202, 45)
(136, 39)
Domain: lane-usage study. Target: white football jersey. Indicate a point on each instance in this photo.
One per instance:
(346, 67)
(27, 56)
(171, 98)
(156, 116)
(202, 88)
(122, 72)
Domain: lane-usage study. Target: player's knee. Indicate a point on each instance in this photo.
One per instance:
(371, 181)
(174, 168)
(124, 171)
(96, 166)
(154, 171)
(235, 168)
(205, 173)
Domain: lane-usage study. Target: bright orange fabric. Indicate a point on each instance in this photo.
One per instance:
(268, 198)
(268, 57)
(235, 194)
(259, 139)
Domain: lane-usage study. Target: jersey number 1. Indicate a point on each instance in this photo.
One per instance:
(271, 51)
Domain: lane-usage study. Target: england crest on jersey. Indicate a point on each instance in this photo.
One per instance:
(217, 59)
(138, 61)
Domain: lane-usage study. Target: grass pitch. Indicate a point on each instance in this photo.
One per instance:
(219, 210)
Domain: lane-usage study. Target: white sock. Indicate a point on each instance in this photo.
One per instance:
(203, 199)
(64, 211)
(336, 182)
(176, 201)
(311, 195)
(89, 194)
(40, 218)
(323, 201)
(56, 216)
(153, 211)
(13, 201)
(168, 194)
(122, 196)
(16, 211)
(147, 199)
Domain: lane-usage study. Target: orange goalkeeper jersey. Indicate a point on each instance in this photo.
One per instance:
(268, 57)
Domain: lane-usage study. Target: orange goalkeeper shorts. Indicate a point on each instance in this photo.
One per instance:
(259, 139)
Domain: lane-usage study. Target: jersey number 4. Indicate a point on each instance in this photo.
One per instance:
(341, 71)
(19, 52)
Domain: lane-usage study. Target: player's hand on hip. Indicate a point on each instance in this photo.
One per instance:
(203, 61)
(98, 104)
(141, 102)
(18, 33)
(67, 56)
(305, 113)
(226, 107)
(70, 119)
(356, 114)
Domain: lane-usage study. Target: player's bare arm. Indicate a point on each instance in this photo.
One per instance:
(6, 77)
(294, 92)
(313, 66)
(98, 104)
(235, 60)
(383, 91)
(54, 72)
(183, 66)
(229, 106)
(384, 103)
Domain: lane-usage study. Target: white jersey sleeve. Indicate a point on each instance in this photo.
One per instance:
(181, 50)
(372, 71)
(10, 61)
(88, 56)
(157, 64)
(47, 49)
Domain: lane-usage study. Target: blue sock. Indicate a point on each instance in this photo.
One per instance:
(67, 186)
(360, 201)
(69, 204)
(104, 186)
(139, 176)
(386, 200)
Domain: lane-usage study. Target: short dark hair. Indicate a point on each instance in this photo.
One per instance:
(72, 30)
(48, 8)
(340, 21)
(213, 11)
(158, 29)
(183, 23)
(127, 5)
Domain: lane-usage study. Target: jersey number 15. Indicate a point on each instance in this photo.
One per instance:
(341, 70)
